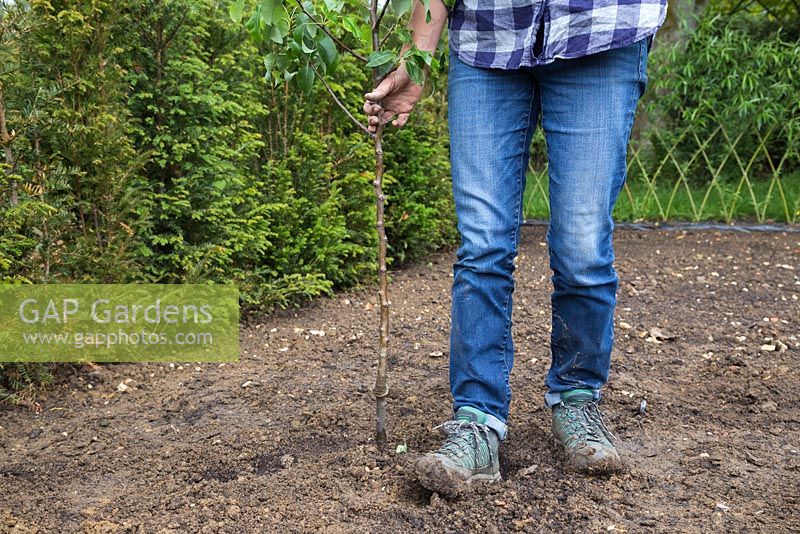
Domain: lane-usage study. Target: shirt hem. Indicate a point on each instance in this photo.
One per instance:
(546, 61)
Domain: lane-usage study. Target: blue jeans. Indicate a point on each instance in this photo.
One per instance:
(587, 107)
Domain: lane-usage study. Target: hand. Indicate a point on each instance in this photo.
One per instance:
(395, 95)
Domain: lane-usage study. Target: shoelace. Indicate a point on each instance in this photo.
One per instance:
(458, 442)
(590, 411)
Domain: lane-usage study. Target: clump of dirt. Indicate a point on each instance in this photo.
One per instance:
(703, 394)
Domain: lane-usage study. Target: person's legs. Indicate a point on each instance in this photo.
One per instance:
(588, 106)
(492, 115)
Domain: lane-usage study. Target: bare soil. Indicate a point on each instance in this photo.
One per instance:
(707, 336)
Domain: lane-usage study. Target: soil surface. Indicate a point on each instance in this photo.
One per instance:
(707, 337)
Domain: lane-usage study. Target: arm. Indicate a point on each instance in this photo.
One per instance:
(397, 94)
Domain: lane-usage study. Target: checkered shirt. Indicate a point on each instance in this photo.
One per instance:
(508, 34)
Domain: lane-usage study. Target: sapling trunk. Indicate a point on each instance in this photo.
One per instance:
(381, 389)
(301, 53)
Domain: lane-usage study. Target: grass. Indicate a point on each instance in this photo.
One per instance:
(728, 201)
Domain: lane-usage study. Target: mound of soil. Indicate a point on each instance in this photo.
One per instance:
(704, 395)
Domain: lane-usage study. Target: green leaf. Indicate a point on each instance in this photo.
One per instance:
(425, 55)
(305, 78)
(404, 35)
(310, 27)
(366, 34)
(350, 23)
(280, 27)
(415, 72)
(334, 5)
(270, 11)
(381, 57)
(253, 25)
(297, 33)
(236, 10)
(328, 53)
(269, 64)
(385, 69)
(305, 47)
(400, 7)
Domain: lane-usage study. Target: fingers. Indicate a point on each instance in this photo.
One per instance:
(383, 89)
(382, 118)
(385, 116)
(377, 115)
(371, 108)
(401, 120)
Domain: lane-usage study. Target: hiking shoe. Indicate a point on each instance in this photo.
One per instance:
(582, 435)
(468, 454)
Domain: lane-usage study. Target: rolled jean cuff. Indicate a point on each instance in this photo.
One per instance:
(494, 423)
(551, 398)
(497, 425)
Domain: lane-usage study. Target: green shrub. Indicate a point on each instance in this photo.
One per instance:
(740, 73)
(19, 381)
(148, 148)
(420, 215)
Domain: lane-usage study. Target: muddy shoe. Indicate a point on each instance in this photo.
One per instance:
(587, 444)
(468, 454)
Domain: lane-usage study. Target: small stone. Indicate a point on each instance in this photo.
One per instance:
(250, 383)
(122, 387)
(768, 406)
(768, 347)
(624, 325)
(287, 460)
(659, 335)
(233, 511)
(527, 471)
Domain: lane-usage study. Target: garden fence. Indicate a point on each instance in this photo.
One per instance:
(732, 173)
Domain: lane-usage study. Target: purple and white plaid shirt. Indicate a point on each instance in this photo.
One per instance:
(507, 34)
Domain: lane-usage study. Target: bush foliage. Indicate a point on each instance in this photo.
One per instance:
(148, 147)
(739, 72)
(142, 143)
